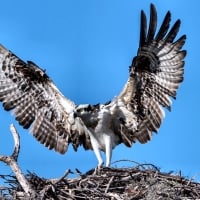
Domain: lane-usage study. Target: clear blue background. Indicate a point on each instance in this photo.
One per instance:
(86, 48)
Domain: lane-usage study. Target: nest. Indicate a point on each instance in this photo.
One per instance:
(140, 182)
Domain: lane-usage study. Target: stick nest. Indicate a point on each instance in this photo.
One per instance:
(140, 182)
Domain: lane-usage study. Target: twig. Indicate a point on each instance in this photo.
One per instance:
(110, 181)
(115, 196)
(57, 180)
(125, 160)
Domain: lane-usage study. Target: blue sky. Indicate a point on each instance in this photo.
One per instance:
(86, 48)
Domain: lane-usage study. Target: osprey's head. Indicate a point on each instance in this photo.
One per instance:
(83, 108)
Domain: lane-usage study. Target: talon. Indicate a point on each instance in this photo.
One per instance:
(100, 165)
(98, 169)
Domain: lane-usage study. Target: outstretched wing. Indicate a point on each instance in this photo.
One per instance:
(37, 103)
(155, 75)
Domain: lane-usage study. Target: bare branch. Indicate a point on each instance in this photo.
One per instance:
(12, 162)
(16, 138)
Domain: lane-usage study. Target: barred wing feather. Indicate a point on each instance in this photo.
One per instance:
(155, 74)
(36, 102)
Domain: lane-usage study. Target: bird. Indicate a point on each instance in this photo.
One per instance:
(137, 112)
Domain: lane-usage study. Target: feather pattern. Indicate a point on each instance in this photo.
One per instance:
(55, 121)
(35, 101)
(157, 72)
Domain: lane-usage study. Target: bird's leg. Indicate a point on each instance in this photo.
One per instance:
(99, 158)
(96, 149)
(98, 155)
(108, 149)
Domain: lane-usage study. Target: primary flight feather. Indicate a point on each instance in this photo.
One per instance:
(55, 121)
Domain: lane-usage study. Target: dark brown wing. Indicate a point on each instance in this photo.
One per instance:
(155, 75)
(37, 103)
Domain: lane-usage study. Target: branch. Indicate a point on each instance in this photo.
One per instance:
(12, 162)
(16, 138)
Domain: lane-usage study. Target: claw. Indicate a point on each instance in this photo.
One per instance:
(98, 169)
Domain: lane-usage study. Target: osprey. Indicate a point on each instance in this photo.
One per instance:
(55, 121)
